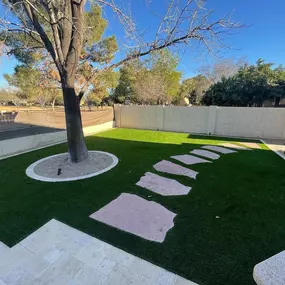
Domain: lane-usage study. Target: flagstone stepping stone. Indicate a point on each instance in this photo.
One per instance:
(162, 185)
(190, 159)
(205, 153)
(250, 145)
(219, 149)
(138, 216)
(172, 168)
(235, 146)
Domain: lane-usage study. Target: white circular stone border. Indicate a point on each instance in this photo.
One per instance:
(30, 170)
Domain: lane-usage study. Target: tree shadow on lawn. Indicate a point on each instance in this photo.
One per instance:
(232, 219)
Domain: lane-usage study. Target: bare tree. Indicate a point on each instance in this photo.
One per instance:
(222, 68)
(150, 89)
(58, 27)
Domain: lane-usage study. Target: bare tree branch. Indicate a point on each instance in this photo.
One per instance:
(124, 18)
(54, 25)
(37, 10)
(196, 33)
(47, 42)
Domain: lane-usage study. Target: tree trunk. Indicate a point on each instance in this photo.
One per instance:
(53, 103)
(76, 144)
(277, 101)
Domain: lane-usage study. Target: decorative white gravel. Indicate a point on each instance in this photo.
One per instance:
(47, 169)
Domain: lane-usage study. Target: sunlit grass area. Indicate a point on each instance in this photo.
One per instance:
(232, 219)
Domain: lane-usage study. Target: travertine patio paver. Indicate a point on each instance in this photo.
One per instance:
(190, 159)
(218, 149)
(172, 168)
(88, 276)
(11, 259)
(18, 265)
(3, 248)
(205, 153)
(138, 216)
(162, 185)
(270, 271)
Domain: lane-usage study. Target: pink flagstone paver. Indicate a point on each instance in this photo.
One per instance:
(205, 153)
(218, 149)
(172, 168)
(138, 216)
(251, 145)
(162, 185)
(235, 146)
(190, 159)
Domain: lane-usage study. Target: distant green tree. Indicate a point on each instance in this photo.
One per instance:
(164, 64)
(128, 74)
(101, 87)
(278, 90)
(194, 88)
(250, 86)
(26, 79)
(36, 86)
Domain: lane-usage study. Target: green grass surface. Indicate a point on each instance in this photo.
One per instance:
(245, 189)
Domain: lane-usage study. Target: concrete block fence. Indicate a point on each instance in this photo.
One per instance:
(212, 120)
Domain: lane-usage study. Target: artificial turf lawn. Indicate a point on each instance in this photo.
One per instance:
(245, 190)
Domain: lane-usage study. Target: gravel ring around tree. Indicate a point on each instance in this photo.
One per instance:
(58, 168)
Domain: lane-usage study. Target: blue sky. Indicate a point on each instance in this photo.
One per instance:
(264, 36)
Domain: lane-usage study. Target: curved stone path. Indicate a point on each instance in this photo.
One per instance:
(148, 219)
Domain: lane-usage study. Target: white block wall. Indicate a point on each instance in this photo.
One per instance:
(226, 121)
